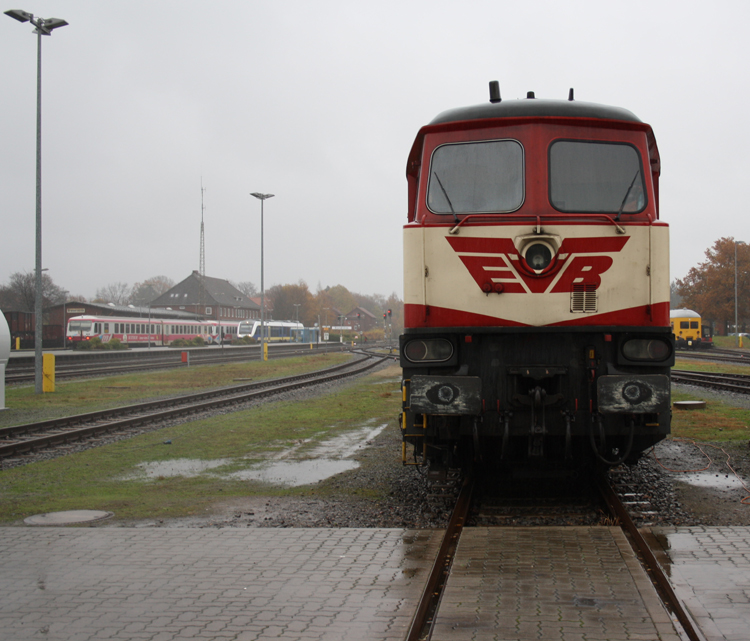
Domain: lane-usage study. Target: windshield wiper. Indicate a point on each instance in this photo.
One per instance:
(627, 193)
(445, 193)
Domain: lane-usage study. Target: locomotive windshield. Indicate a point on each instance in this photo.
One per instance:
(79, 326)
(596, 177)
(476, 177)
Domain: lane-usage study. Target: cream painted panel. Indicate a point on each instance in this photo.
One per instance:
(449, 284)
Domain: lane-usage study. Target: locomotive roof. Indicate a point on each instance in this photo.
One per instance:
(683, 313)
(535, 107)
(532, 108)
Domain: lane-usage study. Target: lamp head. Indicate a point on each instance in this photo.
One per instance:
(46, 26)
(17, 14)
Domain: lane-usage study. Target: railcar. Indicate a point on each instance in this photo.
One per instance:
(689, 330)
(275, 331)
(137, 332)
(536, 287)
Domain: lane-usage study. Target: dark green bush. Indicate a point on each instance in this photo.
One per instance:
(116, 344)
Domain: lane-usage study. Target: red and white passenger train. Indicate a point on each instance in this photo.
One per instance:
(536, 282)
(137, 332)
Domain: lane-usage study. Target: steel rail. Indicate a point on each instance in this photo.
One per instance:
(739, 383)
(653, 568)
(64, 429)
(424, 618)
(143, 362)
(724, 356)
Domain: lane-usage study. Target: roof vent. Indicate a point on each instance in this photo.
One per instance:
(495, 91)
(570, 95)
(530, 94)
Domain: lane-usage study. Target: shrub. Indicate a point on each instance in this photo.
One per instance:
(116, 344)
(198, 342)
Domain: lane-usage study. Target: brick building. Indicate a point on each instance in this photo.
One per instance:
(209, 298)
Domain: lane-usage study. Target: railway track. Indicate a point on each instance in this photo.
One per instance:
(79, 366)
(32, 437)
(716, 354)
(616, 506)
(737, 383)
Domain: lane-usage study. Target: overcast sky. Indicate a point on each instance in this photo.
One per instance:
(318, 102)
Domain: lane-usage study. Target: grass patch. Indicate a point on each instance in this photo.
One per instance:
(730, 342)
(711, 368)
(720, 421)
(78, 397)
(110, 477)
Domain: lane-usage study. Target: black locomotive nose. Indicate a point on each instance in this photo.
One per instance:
(635, 392)
(443, 394)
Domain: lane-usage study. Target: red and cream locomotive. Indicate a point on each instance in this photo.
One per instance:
(536, 286)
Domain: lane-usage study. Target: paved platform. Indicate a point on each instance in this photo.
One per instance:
(709, 568)
(86, 584)
(556, 583)
(507, 584)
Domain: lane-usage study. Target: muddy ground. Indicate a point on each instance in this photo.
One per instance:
(689, 485)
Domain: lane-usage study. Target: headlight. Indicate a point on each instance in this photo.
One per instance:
(538, 256)
(434, 350)
(646, 349)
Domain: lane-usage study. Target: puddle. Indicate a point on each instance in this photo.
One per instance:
(346, 444)
(177, 467)
(323, 461)
(711, 480)
(295, 473)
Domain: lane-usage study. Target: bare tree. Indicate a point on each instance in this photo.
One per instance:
(20, 292)
(117, 293)
(247, 288)
(150, 289)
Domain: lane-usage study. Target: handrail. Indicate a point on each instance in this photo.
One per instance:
(538, 217)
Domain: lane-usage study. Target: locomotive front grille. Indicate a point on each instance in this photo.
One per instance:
(583, 298)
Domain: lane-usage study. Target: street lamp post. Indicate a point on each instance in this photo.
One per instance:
(44, 27)
(736, 326)
(262, 198)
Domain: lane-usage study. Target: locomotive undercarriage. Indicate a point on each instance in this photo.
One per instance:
(572, 401)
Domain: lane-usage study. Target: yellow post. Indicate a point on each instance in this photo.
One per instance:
(18, 343)
(265, 351)
(741, 337)
(48, 370)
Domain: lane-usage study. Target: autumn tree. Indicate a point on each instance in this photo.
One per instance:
(341, 298)
(295, 301)
(709, 288)
(286, 298)
(20, 293)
